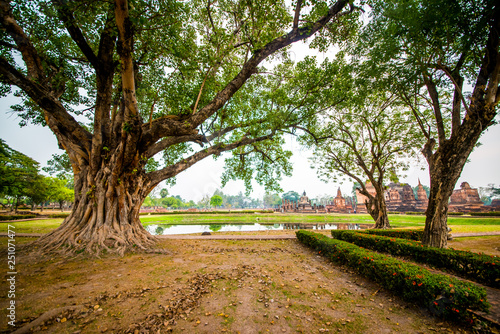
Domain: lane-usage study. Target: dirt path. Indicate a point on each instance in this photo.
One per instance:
(211, 286)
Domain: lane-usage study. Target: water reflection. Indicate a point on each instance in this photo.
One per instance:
(166, 229)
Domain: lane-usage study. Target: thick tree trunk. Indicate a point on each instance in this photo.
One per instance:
(105, 216)
(445, 167)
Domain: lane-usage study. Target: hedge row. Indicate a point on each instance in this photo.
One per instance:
(16, 217)
(445, 296)
(492, 213)
(59, 215)
(204, 212)
(416, 235)
(478, 267)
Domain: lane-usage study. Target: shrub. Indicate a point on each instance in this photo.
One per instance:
(492, 213)
(415, 213)
(15, 217)
(205, 212)
(478, 267)
(403, 234)
(455, 213)
(443, 295)
(59, 215)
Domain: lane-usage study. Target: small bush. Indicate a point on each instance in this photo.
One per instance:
(416, 235)
(59, 215)
(455, 213)
(477, 267)
(492, 213)
(205, 212)
(15, 217)
(445, 296)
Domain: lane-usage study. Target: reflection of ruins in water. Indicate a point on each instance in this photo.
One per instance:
(305, 226)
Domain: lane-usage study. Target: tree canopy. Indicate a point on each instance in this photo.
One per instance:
(442, 59)
(163, 85)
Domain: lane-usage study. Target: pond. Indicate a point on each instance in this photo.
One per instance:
(167, 229)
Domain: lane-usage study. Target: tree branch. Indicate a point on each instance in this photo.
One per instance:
(55, 114)
(161, 126)
(297, 14)
(170, 141)
(431, 88)
(156, 177)
(66, 16)
(28, 51)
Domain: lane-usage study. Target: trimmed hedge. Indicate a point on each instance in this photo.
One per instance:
(416, 235)
(492, 213)
(415, 213)
(204, 212)
(477, 267)
(59, 215)
(455, 213)
(445, 296)
(16, 217)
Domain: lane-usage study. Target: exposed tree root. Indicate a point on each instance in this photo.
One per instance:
(49, 315)
(82, 232)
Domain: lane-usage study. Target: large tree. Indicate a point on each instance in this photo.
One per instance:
(19, 175)
(153, 77)
(370, 138)
(439, 56)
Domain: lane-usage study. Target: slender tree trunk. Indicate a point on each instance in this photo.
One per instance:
(377, 208)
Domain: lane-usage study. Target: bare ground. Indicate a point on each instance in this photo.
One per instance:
(209, 286)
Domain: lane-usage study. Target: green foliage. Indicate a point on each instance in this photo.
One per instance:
(58, 215)
(478, 267)
(60, 167)
(15, 217)
(216, 201)
(184, 54)
(492, 213)
(416, 235)
(163, 193)
(271, 200)
(291, 196)
(218, 212)
(17, 172)
(445, 296)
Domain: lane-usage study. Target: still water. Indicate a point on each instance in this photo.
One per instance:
(166, 229)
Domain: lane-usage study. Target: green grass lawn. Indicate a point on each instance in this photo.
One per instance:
(464, 224)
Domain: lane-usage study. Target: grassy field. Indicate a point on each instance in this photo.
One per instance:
(462, 224)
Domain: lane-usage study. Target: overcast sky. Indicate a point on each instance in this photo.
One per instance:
(203, 178)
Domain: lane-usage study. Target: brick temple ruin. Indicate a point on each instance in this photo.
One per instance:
(399, 197)
(466, 199)
(303, 205)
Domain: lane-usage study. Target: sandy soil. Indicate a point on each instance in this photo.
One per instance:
(209, 286)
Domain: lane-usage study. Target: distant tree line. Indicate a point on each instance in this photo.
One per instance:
(21, 182)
